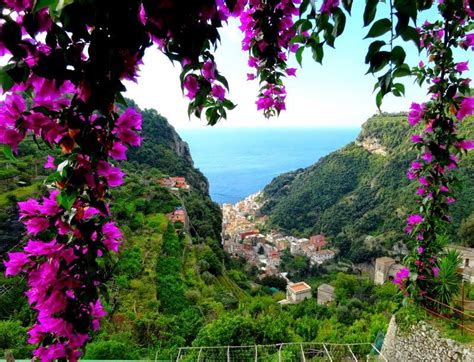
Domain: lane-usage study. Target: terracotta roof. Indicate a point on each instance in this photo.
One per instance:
(299, 287)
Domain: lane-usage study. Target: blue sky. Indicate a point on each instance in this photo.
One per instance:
(336, 94)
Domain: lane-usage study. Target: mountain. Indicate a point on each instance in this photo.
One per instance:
(147, 275)
(359, 196)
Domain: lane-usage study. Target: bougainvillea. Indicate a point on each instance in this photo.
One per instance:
(63, 83)
(439, 145)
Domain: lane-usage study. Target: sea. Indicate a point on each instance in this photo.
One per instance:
(241, 161)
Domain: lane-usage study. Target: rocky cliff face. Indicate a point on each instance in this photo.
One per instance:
(372, 145)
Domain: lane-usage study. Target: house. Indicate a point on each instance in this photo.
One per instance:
(297, 292)
(325, 294)
(178, 182)
(318, 241)
(248, 233)
(178, 215)
(385, 269)
(320, 256)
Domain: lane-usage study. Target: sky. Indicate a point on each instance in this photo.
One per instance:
(336, 94)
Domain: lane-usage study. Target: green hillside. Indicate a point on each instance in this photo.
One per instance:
(171, 288)
(359, 195)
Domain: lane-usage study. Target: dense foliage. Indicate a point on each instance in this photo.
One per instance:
(360, 198)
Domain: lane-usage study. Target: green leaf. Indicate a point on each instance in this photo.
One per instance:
(385, 82)
(303, 6)
(347, 5)
(339, 22)
(398, 88)
(228, 104)
(120, 99)
(398, 55)
(378, 61)
(6, 82)
(66, 200)
(402, 71)
(41, 4)
(374, 47)
(410, 33)
(370, 11)
(380, 27)
(7, 151)
(318, 53)
(55, 176)
(378, 99)
(299, 55)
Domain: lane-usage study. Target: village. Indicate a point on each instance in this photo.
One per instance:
(242, 237)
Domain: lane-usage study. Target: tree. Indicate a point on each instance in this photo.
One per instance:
(466, 231)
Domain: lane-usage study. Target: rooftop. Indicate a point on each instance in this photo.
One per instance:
(299, 287)
(384, 260)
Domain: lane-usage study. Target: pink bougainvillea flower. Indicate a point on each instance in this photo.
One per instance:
(427, 157)
(50, 353)
(411, 175)
(416, 113)
(35, 225)
(416, 138)
(112, 236)
(209, 70)
(420, 191)
(112, 174)
(465, 144)
(118, 151)
(462, 66)
(250, 76)
(50, 205)
(50, 163)
(97, 312)
(38, 247)
(414, 219)
(191, 85)
(328, 6)
(401, 275)
(423, 181)
(291, 72)
(465, 108)
(130, 119)
(420, 250)
(126, 128)
(443, 188)
(415, 165)
(16, 263)
(29, 207)
(435, 271)
(450, 200)
(90, 212)
(218, 92)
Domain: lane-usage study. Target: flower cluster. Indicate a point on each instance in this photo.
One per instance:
(201, 82)
(60, 92)
(268, 30)
(437, 141)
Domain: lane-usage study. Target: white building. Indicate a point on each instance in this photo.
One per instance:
(297, 292)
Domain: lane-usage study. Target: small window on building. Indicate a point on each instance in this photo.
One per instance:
(466, 262)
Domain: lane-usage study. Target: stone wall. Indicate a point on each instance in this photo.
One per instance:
(421, 342)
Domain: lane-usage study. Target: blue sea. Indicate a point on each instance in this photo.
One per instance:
(241, 161)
